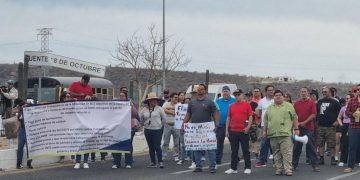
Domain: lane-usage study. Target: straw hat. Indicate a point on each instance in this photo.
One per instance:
(150, 96)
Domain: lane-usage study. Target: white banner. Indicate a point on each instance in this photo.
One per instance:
(200, 136)
(47, 59)
(77, 127)
(180, 112)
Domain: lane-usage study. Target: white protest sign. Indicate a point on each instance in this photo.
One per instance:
(77, 127)
(47, 59)
(180, 112)
(200, 136)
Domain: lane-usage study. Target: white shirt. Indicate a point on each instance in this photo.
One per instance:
(263, 105)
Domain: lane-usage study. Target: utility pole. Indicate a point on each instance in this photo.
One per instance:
(163, 53)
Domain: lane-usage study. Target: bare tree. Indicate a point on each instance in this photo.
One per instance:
(144, 57)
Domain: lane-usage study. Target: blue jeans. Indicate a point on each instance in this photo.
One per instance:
(21, 144)
(102, 155)
(354, 144)
(310, 148)
(264, 149)
(211, 156)
(128, 156)
(220, 137)
(86, 158)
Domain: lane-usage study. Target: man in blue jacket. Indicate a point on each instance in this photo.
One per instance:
(223, 105)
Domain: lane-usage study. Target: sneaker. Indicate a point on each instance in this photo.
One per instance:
(341, 164)
(348, 170)
(315, 168)
(180, 162)
(86, 166)
(308, 161)
(215, 166)
(260, 164)
(114, 166)
(359, 164)
(152, 165)
(193, 166)
(176, 158)
(247, 171)
(271, 156)
(203, 158)
(161, 165)
(187, 158)
(289, 173)
(197, 170)
(19, 166)
(77, 166)
(231, 171)
(128, 166)
(333, 161)
(212, 171)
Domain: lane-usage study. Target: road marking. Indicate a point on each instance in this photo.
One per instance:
(191, 170)
(343, 176)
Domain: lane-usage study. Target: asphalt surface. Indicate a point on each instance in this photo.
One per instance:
(172, 171)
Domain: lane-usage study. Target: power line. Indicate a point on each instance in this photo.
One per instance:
(17, 43)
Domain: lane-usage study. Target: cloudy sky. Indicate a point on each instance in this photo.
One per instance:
(306, 39)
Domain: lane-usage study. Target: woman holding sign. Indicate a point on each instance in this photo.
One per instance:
(152, 118)
(134, 125)
(237, 128)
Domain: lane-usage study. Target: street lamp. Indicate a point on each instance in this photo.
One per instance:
(164, 75)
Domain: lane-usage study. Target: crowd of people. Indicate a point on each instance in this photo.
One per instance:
(263, 126)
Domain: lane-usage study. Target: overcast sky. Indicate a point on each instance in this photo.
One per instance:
(306, 39)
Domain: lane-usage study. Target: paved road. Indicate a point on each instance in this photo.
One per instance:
(172, 171)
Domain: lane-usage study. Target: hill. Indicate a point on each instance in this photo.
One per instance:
(180, 80)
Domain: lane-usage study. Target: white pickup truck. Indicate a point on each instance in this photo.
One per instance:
(214, 90)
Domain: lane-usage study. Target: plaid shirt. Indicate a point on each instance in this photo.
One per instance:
(351, 108)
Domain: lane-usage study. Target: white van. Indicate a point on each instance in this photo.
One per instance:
(214, 90)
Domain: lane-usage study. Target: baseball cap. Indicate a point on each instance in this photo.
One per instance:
(226, 88)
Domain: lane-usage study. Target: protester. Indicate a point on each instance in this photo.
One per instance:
(260, 111)
(314, 95)
(65, 97)
(353, 112)
(279, 122)
(287, 97)
(257, 95)
(253, 132)
(134, 126)
(169, 129)
(327, 112)
(238, 125)
(153, 118)
(81, 90)
(184, 155)
(344, 121)
(9, 97)
(166, 95)
(181, 97)
(223, 104)
(21, 137)
(306, 110)
(201, 110)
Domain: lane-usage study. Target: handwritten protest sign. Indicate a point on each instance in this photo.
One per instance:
(200, 136)
(180, 112)
(78, 127)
